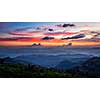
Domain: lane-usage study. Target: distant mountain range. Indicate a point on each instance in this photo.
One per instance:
(89, 68)
(55, 61)
(65, 64)
(92, 66)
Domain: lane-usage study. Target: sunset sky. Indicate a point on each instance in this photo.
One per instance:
(49, 33)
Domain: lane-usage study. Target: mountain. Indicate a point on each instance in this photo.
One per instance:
(36, 44)
(90, 68)
(42, 60)
(8, 60)
(54, 60)
(10, 67)
(65, 65)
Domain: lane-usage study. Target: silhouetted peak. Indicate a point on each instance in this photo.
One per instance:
(36, 44)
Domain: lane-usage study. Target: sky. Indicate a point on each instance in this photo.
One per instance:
(49, 33)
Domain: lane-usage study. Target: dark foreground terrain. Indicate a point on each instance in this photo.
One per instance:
(88, 69)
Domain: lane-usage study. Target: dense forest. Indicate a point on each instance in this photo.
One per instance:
(89, 69)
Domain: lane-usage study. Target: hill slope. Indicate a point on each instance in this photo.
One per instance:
(90, 68)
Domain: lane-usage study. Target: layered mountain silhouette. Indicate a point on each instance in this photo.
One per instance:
(8, 60)
(65, 65)
(91, 65)
(19, 68)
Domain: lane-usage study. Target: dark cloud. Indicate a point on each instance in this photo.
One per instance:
(66, 25)
(74, 37)
(47, 38)
(50, 29)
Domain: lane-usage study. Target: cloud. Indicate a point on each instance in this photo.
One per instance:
(22, 29)
(66, 25)
(20, 33)
(15, 38)
(31, 33)
(96, 34)
(74, 37)
(48, 38)
(88, 40)
(50, 29)
(60, 33)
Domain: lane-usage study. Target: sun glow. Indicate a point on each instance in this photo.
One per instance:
(50, 34)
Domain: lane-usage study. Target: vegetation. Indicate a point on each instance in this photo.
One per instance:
(29, 71)
(90, 68)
